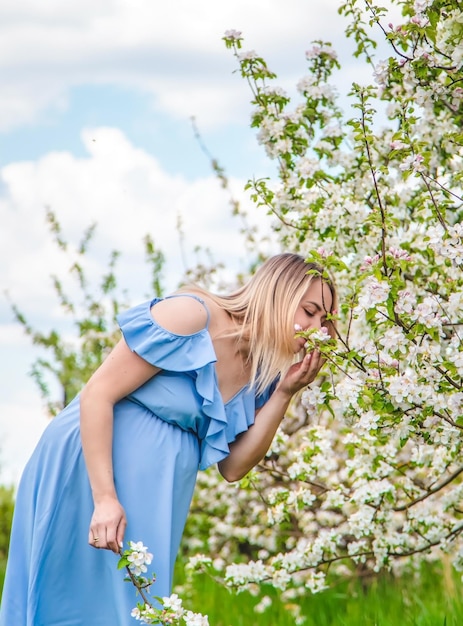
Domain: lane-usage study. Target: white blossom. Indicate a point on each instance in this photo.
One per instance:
(381, 73)
(195, 619)
(139, 558)
(263, 605)
(172, 602)
(421, 5)
(373, 292)
(394, 340)
(312, 397)
(316, 582)
(232, 34)
(248, 55)
(413, 162)
(317, 50)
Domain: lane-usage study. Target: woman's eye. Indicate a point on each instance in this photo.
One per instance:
(309, 313)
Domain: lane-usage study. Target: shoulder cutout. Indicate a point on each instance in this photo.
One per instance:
(180, 315)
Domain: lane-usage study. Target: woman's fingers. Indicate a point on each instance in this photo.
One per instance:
(108, 538)
(111, 539)
(120, 533)
(97, 536)
(302, 373)
(107, 527)
(310, 366)
(310, 362)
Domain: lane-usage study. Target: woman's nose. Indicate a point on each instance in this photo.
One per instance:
(316, 322)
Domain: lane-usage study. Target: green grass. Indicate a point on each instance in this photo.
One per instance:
(2, 574)
(435, 599)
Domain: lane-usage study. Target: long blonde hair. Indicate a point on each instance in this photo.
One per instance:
(264, 310)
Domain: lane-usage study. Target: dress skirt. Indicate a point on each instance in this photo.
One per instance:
(54, 577)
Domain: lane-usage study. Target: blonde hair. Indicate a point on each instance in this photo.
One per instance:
(264, 309)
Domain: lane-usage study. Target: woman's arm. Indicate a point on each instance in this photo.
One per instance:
(251, 447)
(121, 373)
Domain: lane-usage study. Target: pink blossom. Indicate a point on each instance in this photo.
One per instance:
(369, 261)
(323, 252)
(398, 253)
(420, 20)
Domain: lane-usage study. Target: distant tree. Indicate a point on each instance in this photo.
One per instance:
(71, 360)
(6, 516)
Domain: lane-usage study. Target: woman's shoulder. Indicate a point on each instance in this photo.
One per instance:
(181, 313)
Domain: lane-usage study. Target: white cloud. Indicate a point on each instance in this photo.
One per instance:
(21, 424)
(22, 417)
(172, 50)
(121, 188)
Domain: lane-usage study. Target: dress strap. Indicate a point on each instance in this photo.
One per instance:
(196, 297)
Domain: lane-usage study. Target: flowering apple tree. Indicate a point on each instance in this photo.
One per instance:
(366, 472)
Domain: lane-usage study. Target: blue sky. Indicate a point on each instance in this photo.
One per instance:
(171, 139)
(95, 114)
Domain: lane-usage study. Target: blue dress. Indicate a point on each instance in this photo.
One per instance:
(173, 425)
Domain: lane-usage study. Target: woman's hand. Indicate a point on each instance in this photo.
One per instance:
(251, 446)
(119, 374)
(108, 524)
(301, 374)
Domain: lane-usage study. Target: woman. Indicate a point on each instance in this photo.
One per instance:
(197, 379)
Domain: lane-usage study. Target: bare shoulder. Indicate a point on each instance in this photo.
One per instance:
(182, 315)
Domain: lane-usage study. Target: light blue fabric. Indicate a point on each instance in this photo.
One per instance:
(164, 432)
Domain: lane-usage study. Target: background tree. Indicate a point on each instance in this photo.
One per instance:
(92, 309)
(6, 516)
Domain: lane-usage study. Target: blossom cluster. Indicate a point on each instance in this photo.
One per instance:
(165, 610)
(138, 558)
(171, 613)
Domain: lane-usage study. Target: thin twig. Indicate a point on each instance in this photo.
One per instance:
(430, 492)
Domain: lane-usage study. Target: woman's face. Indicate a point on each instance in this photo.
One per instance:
(312, 310)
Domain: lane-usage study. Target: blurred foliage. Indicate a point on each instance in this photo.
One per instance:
(71, 359)
(6, 515)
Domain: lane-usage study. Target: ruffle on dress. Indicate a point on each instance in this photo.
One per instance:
(162, 348)
(193, 354)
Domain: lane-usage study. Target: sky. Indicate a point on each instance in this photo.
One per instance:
(95, 124)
